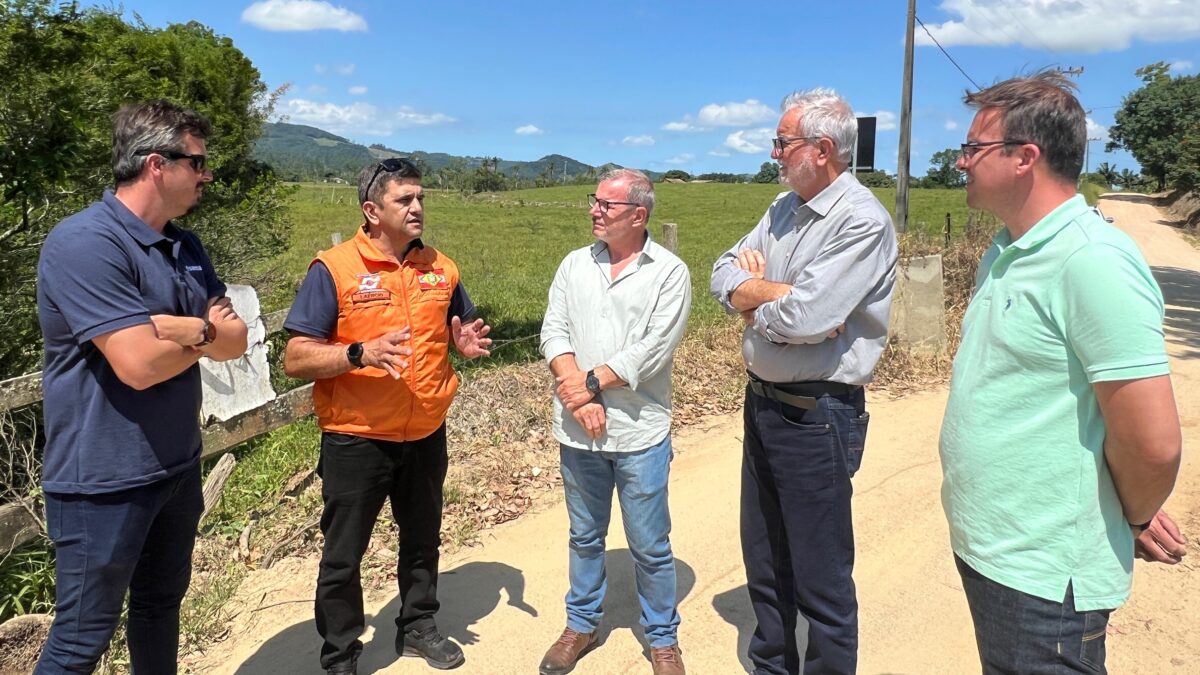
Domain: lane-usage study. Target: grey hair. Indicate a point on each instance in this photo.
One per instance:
(144, 128)
(828, 115)
(639, 189)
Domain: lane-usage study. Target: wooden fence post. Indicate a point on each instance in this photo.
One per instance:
(671, 236)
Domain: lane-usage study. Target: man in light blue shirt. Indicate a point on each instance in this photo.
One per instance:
(1061, 440)
(617, 311)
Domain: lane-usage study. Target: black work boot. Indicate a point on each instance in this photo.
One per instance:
(430, 645)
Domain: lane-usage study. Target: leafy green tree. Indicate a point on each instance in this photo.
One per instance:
(767, 173)
(943, 170)
(1159, 124)
(1129, 180)
(76, 68)
(880, 179)
(678, 174)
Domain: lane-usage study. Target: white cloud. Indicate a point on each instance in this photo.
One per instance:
(718, 153)
(1181, 66)
(315, 89)
(1097, 25)
(1095, 130)
(750, 141)
(358, 118)
(644, 139)
(950, 125)
(885, 120)
(339, 68)
(529, 130)
(299, 15)
(357, 90)
(730, 114)
(681, 159)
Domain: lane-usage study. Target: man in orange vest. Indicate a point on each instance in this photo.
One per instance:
(372, 325)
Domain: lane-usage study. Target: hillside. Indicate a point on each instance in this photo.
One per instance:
(299, 152)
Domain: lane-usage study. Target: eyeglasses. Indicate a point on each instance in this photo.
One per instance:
(968, 150)
(199, 162)
(781, 142)
(391, 165)
(605, 204)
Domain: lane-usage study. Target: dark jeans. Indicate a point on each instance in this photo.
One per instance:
(797, 533)
(138, 540)
(357, 475)
(1022, 634)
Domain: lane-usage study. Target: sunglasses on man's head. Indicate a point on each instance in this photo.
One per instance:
(390, 165)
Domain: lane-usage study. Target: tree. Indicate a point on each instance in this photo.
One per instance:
(879, 179)
(1129, 180)
(677, 174)
(767, 173)
(943, 170)
(1159, 124)
(1108, 173)
(77, 67)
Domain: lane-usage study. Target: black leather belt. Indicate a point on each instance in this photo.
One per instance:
(800, 394)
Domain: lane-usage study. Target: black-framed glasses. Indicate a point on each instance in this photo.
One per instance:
(391, 165)
(969, 149)
(781, 142)
(199, 162)
(606, 204)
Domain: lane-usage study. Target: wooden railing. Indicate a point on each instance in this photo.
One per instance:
(18, 524)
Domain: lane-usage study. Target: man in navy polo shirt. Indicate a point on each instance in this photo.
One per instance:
(128, 303)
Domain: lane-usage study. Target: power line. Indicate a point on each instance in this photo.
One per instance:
(947, 54)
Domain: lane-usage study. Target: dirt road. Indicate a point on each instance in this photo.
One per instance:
(503, 600)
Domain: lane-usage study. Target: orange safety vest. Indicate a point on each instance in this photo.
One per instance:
(375, 296)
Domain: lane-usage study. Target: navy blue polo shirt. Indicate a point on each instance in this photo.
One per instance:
(101, 270)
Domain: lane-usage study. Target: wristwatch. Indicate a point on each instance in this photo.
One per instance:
(592, 382)
(355, 353)
(207, 334)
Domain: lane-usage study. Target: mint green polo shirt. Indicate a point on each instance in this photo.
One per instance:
(1026, 489)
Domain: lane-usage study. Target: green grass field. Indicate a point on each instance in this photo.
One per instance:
(509, 244)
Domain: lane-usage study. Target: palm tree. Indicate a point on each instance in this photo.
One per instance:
(1129, 180)
(1107, 172)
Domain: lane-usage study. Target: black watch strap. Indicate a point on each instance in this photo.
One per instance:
(592, 383)
(354, 354)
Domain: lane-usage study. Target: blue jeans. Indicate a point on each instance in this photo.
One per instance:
(138, 540)
(640, 479)
(1023, 634)
(797, 531)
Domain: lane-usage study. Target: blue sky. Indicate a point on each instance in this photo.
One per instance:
(666, 84)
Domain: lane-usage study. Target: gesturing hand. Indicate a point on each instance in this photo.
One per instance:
(591, 417)
(470, 339)
(388, 351)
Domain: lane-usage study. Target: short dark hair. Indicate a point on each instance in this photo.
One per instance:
(1041, 109)
(374, 178)
(154, 126)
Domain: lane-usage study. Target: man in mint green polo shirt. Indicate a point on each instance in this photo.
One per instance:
(1061, 439)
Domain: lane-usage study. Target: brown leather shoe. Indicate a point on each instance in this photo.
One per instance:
(566, 652)
(667, 660)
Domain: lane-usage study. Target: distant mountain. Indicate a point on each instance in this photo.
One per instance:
(299, 152)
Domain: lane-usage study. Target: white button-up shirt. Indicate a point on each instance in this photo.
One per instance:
(631, 324)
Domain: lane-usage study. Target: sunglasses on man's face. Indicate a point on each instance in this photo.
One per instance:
(199, 162)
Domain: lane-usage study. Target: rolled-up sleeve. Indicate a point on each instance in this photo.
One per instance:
(829, 288)
(648, 356)
(556, 325)
(726, 275)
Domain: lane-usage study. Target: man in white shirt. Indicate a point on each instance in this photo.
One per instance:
(617, 311)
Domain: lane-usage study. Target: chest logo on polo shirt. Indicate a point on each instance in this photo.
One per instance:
(433, 279)
(368, 289)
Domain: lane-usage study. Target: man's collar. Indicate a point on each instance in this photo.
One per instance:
(136, 227)
(368, 250)
(649, 247)
(825, 200)
(1047, 227)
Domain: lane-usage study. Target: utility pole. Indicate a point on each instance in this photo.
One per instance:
(905, 124)
(1073, 72)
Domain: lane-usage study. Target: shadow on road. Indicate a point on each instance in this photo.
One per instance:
(469, 593)
(1181, 292)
